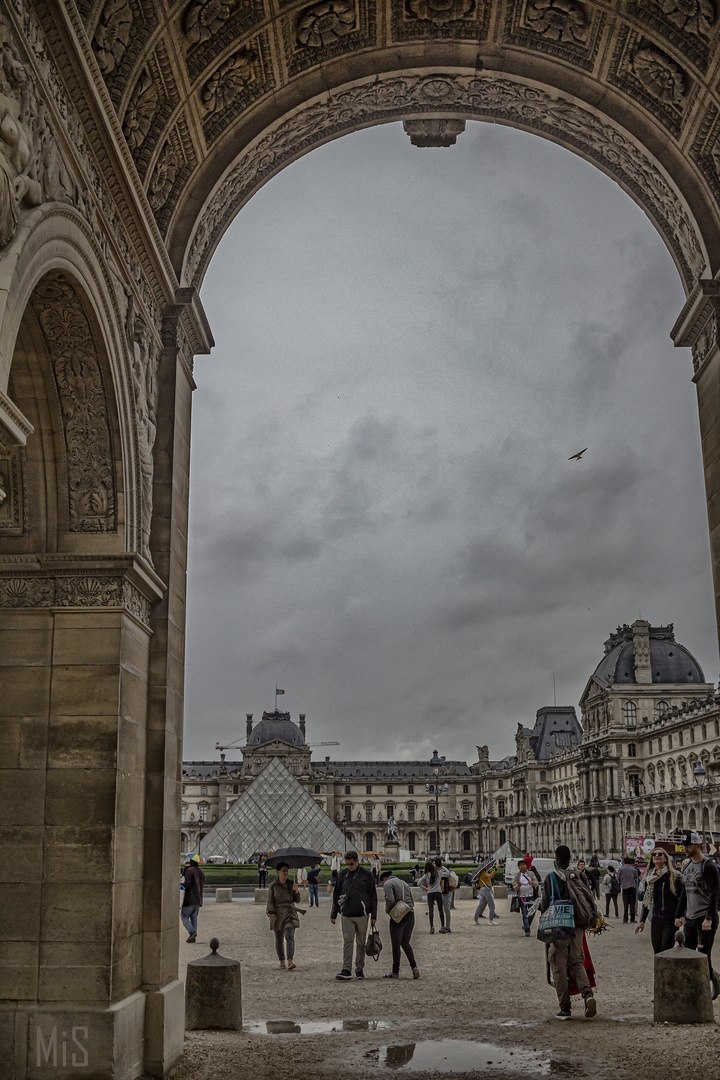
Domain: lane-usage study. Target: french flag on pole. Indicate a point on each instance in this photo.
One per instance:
(278, 691)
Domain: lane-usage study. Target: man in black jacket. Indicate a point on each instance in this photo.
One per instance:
(355, 898)
(194, 881)
(697, 910)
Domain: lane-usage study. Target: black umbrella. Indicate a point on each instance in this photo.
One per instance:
(294, 857)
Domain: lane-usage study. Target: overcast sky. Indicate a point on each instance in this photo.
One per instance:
(384, 521)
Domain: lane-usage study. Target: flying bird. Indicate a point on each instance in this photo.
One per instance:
(577, 457)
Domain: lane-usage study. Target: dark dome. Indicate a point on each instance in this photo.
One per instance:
(670, 662)
(276, 725)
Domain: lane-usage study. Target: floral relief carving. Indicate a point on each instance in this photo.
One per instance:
(441, 11)
(660, 75)
(694, 16)
(483, 96)
(112, 34)
(324, 24)
(101, 590)
(229, 81)
(558, 20)
(163, 177)
(203, 18)
(140, 111)
(83, 405)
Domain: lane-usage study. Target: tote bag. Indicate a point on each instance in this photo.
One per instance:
(557, 922)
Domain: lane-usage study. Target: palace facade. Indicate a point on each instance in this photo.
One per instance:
(627, 768)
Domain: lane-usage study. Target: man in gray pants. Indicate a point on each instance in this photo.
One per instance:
(355, 899)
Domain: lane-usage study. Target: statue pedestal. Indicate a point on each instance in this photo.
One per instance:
(392, 851)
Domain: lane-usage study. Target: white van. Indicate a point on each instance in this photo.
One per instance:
(542, 868)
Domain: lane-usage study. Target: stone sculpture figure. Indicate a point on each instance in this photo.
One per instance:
(144, 372)
(392, 833)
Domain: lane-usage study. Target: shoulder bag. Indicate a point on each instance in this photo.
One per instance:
(557, 922)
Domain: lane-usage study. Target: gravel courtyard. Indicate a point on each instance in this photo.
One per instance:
(479, 985)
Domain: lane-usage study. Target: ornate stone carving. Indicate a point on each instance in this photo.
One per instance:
(203, 18)
(481, 96)
(441, 11)
(144, 359)
(17, 150)
(112, 34)
(12, 501)
(163, 177)
(660, 75)
(141, 110)
(229, 81)
(691, 16)
(558, 20)
(23, 586)
(323, 24)
(83, 405)
(431, 132)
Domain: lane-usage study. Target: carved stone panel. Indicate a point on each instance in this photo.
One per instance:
(705, 150)
(12, 495)
(119, 34)
(174, 164)
(150, 105)
(320, 32)
(413, 20)
(688, 25)
(564, 28)
(235, 84)
(83, 405)
(656, 81)
(207, 27)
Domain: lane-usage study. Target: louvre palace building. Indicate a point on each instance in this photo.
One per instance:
(624, 769)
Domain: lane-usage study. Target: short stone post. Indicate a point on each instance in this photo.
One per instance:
(682, 986)
(213, 992)
(223, 895)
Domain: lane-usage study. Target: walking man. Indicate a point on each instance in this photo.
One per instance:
(566, 955)
(697, 910)
(628, 878)
(355, 899)
(313, 884)
(194, 882)
(485, 894)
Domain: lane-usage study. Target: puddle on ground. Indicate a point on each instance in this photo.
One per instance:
(458, 1055)
(313, 1027)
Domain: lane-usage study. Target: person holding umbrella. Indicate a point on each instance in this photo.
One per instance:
(283, 915)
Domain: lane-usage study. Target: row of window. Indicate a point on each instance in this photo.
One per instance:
(411, 811)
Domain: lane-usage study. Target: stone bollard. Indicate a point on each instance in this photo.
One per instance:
(223, 895)
(212, 992)
(464, 892)
(418, 895)
(682, 986)
(261, 896)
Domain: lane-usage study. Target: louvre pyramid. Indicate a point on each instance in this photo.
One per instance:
(274, 812)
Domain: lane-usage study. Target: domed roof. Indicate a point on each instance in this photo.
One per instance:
(669, 661)
(276, 725)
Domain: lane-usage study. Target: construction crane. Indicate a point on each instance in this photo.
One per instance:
(234, 746)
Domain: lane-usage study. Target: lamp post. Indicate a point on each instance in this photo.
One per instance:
(700, 775)
(437, 789)
(581, 845)
(621, 815)
(487, 835)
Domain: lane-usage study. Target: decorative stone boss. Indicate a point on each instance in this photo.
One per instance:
(213, 992)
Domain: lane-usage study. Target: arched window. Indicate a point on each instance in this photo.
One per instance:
(630, 715)
(467, 841)
(502, 837)
(183, 842)
(500, 784)
(369, 841)
(412, 841)
(317, 789)
(662, 709)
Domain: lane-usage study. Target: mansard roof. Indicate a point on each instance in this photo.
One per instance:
(390, 769)
(556, 728)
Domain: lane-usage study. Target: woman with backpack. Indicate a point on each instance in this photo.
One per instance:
(611, 890)
(431, 883)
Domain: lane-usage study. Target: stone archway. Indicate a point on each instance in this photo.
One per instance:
(132, 133)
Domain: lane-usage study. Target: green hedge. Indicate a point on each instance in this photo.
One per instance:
(232, 874)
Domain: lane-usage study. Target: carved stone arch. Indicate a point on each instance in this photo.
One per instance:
(500, 98)
(57, 239)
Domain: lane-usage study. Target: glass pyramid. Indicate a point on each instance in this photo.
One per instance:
(274, 812)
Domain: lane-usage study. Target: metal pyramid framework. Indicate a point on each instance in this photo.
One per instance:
(274, 812)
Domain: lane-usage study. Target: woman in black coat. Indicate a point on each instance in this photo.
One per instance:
(662, 892)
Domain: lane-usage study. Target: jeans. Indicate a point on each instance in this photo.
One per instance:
(262, 878)
(525, 903)
(189, 915)
(434, 898)
(486, 900)
(702, 940)
(286, 935)
(313, 890)
(563, 956)
(629, 902)
(662, 934)
(354, 929)
(608, 898)
(400, 934)
(447, 907)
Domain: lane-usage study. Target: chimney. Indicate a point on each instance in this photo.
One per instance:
(327, 757)
(248, 725)
(641, 651)
(302, 724)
